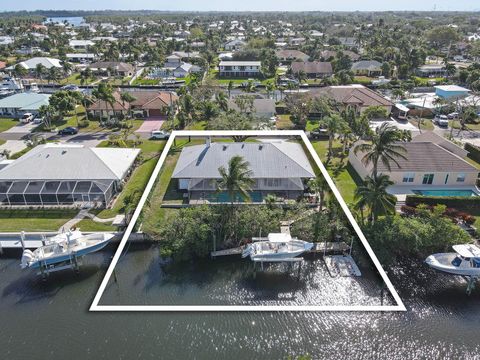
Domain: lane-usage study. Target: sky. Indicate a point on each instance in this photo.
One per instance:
(242, 5)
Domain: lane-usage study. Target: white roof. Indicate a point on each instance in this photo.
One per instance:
(467, 250)
(451, 88)
(279, 237)
(45, 61)
(70, 162)
(240, 63)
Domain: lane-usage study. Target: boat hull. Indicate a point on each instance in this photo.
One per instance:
(443, 262)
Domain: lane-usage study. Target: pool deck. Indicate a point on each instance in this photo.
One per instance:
(401, 192)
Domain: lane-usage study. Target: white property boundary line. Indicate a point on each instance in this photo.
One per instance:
(266, 133)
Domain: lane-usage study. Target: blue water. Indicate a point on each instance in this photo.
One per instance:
(224, 197)
(75, 20)
(461, 193)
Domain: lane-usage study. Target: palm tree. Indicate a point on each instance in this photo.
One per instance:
(230, 88)
(269, 87)
(372, 194)
(40, 71)
(332, 124)
(126, 97)
(450, 70)
(236, 180)
(321, 188)
(222, 100)
(104, 93)
(383, 147)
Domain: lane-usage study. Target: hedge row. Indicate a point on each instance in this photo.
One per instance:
(474, 151)
(457, 202)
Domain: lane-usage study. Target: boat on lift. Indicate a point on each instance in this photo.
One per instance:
(465, 261)
(275, 247)
(64, 248)
(9, 86)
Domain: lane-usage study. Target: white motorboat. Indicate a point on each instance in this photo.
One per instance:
(276, 246)
(465, 261)
(63, 248)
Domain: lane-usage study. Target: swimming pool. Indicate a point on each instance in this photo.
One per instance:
(446, 192)
(224, 197)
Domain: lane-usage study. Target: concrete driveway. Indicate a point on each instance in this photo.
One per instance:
(21, 129)
(151, 124)
(13, 146)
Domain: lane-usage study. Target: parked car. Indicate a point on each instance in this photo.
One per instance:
(70, 87)
(38, 120)
(159, 135)
(441, 120)
(319, 134)
(70, 130)
(453, 115)
(26, 118)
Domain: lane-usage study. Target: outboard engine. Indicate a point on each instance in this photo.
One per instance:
(27, 257)
(247, 251)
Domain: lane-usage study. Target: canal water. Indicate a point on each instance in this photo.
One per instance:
(50, 320)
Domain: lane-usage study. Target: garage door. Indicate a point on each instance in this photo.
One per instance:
(155, 112)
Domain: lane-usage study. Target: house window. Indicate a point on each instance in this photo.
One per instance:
(461, 177)
(408, 177)
(272, 182)
(427, 179)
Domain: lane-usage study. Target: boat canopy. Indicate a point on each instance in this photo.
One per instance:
(279, 237)
(402, 107)
(467, 250)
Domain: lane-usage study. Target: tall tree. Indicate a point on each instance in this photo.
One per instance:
(237, 179)
(373, 195)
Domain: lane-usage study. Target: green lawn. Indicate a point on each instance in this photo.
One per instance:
(284, 122)
(343, 174)
(198, 125)
(312, 125)
(34, 220)
(6, 123)
(75, 79)
(456, 125)
(90, 225)
(426, 124)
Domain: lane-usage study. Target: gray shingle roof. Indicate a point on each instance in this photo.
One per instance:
(70, 162)
(312, 67)
(267, 160)
(370, 65)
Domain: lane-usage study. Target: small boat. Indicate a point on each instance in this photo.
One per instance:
(465, 261)
(63, 248)
(277, 246)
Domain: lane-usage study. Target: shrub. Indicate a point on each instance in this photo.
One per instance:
(83, 123)
(456, 202)
(474, 151)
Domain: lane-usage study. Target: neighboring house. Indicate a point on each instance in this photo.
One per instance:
(451, 92)
(349, 42)
(279, 168)
(428, 166)
(431, 70)
(65, 175)
(331, 54)
(240, 68)
(313, 69)
(31, 64)
(262, 108)
(234, 45)
(353, 96)
(6, 40)
(187, 54)
(120, 68)
(367, 68)
(16, 105)
(146, 104)
(81, 57)
(291, 55)
(80, 44)
(297, 41)
(174, 66)
(430, 136)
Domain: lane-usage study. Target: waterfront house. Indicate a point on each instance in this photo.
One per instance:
(353, 96)
(287, 56)
(328, 55)
(80, 44)
(428, 166)
(367, 68)
(261, 108)
(279, 168)
(234, 45)
(16, 105)
(241, 69)
(313, 69)
(65, 175)
(431, 70)
(31, 64)
(111, 68)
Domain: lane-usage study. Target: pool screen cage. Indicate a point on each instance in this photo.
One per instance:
(65, 192)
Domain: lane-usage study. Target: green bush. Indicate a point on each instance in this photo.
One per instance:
(474, 151)
(83, 123)
(457, 202)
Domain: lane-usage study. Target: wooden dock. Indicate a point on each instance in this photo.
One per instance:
(340, 265)
(332, 247)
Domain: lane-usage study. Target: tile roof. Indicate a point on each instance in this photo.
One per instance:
(144, 99)
(351, 94)
(312, 67)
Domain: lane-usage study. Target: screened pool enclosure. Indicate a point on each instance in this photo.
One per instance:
(65, 192)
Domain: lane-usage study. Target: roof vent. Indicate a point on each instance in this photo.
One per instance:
(224, 147)
(64, 152)
(260, 147)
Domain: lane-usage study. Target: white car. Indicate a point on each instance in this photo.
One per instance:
(159, 135)
(441, 120)
(26, 118)
(38, 120)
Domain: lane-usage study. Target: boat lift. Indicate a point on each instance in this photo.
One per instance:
(73, 262)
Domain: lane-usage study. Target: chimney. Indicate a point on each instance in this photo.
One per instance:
(208, 141)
